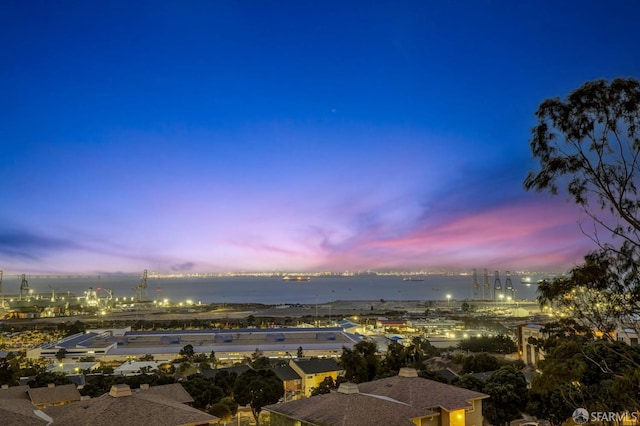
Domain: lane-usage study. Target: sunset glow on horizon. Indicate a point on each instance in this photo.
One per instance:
(289, 136)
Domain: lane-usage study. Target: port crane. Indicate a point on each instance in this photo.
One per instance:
(142, 287)
(487, 286)
(509, 285)
(497, 286)
(24, 286)
(53, 292)
(475, 285)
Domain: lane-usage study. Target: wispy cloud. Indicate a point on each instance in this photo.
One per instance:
(183, 267)
(26, 245)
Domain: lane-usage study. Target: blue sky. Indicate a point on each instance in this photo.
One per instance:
(213, 136)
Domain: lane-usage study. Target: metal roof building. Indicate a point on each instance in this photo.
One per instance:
(228, 344)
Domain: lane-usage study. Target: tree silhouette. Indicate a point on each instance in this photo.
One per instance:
(257, 389)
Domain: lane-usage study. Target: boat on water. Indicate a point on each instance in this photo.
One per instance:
(412, 279)
(296, 278)
(526, 280)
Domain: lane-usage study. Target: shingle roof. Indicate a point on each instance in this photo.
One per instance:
(286, 373)
(132, 410)
(349, 410)
(19, 412)
(53, 395)
(422, 393)
(15, 392)
(447, 373)
(317, 365)
(173, 391)
(483, 375)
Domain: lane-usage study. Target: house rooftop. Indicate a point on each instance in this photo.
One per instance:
(423, 393)
(20, 412)
(286, 373)
(14, 392)
(349, 407)
(123, 407)
(53, 394)
(317, 365)
(535, 326)
(173, 391)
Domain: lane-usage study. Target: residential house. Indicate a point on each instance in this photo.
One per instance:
(348, 407)
(53, 395)
(455, 406)
(406, 399)
(527, 334)
(16, 407)
(313, 371)
(173, 391)
(291, 380)
(14, 392)
(123, 407)
(627, 335)
(21, 412)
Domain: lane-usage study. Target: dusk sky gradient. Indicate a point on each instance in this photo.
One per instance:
(215, 136)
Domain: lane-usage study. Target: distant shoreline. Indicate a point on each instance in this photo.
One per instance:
(333, 311)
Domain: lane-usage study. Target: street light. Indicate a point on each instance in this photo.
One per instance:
(448, 299)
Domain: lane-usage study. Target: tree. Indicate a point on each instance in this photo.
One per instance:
(433, 375)
(221, 411)
(203, 391)
(589, 143)
(187, 352)
(470, 382)
(44, 379)
(198, 358)
(399, 356)
(7, 373)
(549, 405)
(166, 368)
(361, 364)
(257, 389)
(480, 363)
(324, 386)
(260, 363)
(497, 344)
(231, 403)
(226, 381)
(427, 349)
(598, 375)
(251, 321)
(61, 354)
(508, 390)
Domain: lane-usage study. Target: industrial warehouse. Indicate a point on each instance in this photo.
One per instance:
(229, 345)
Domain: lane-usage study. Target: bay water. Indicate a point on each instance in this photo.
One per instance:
(271, 290)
